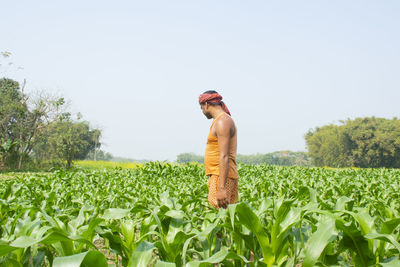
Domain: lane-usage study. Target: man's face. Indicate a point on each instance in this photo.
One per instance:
(204, 108)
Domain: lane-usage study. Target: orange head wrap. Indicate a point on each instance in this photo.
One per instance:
(215, 99)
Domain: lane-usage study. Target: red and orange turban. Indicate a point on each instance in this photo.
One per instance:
(213, 98)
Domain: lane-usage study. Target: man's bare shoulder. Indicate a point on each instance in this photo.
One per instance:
(225, 119)
(225, 123)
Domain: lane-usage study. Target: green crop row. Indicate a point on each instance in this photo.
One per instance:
(158, 215)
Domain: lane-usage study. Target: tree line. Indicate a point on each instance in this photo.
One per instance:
(37, 130)
(282, 158)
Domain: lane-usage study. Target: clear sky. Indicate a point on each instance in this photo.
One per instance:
(135, 68)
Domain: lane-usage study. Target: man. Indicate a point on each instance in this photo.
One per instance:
(220, 155)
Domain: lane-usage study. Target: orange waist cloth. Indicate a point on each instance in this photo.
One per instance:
(211, 158)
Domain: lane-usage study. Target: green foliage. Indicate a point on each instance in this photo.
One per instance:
(363, 142)
(34, 130)
(88, 258)
(12, 111)
(67, 141)
(157, 215)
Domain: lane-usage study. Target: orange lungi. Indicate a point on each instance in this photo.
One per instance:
(231, 188)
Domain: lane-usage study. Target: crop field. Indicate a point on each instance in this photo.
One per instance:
(90, 164)
(157, 215)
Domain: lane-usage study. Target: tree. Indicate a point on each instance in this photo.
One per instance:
(36, 125)
(327, 147)
(12, 111)
(42, 110)
(21, 118)
(362, 142)
(67, 141)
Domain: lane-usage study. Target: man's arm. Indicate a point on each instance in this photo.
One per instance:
(223, 131)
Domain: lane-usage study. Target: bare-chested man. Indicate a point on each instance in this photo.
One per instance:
(220, 155)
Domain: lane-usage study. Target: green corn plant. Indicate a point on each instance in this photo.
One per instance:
(158, 215)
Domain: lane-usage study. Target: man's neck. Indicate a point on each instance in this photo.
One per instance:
(217, 112)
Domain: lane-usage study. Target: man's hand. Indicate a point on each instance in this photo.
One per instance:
(222, 198)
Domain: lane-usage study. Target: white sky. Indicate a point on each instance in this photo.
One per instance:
(135, 68)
